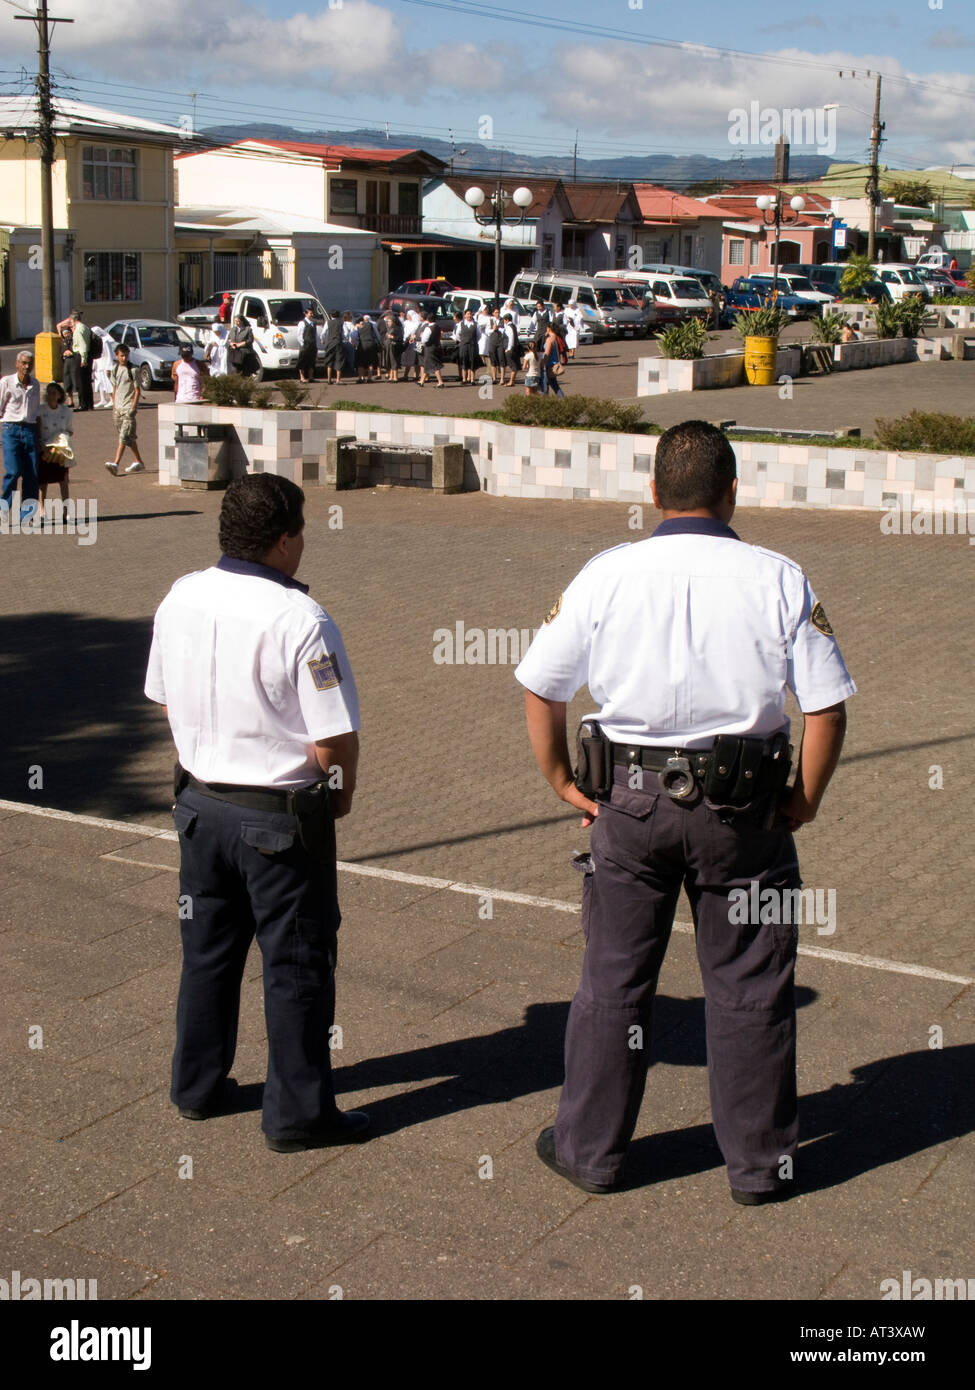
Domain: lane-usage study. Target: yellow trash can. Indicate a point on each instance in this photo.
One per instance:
(760, 355)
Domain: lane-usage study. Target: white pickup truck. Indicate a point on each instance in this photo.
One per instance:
(276, 317)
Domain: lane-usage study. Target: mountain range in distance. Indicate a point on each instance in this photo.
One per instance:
(672, 171)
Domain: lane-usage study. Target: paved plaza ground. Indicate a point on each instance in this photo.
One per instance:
(452, 1018)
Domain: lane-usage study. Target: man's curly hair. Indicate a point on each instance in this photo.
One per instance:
(256, 512)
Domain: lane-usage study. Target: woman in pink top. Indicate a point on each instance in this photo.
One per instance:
(188, 377)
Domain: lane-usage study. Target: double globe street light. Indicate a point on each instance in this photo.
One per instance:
(773, 216)
(476, 197)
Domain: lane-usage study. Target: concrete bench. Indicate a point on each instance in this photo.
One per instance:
(347, 459)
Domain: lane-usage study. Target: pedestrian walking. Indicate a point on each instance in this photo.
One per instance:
(391, 345)
(125, 404)
(334, 345)
(511, 348)
(572, 316)
(55, 426)
(20, 402)
(188, 377)
(350, 341)
(253, 676)
(367, 348)
(688, 641)
(308, 350)
(552, 365)
(216, 348)
(241, 357)
(103, 360)
(70, 366)
(431, 355)
(465, 333)
(81, 349)
(531, 364)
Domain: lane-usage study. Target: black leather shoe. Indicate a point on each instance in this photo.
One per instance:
(220, 1106)
(350, 1128)
(762, 1199)
(545, 1148)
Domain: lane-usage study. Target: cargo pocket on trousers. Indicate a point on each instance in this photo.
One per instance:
(184, 820)
(314, 957)
(266, 838)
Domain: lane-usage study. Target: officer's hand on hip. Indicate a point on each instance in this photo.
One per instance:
(574, 797)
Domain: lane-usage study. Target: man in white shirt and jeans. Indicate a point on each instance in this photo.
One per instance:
(255, 681)
(20, 401)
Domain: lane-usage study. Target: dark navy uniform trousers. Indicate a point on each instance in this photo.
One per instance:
(242, 873)
(645, 847)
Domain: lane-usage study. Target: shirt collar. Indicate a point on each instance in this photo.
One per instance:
(695, 526)
(259, 571)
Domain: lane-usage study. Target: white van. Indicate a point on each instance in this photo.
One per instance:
(672, 297)
(902, 281)
(608, 311)
(276, 317)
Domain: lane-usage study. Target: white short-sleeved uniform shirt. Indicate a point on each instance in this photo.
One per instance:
(686, 635)
(253, 673)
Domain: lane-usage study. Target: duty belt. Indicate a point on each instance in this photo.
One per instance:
(290, 803)
(679, 768)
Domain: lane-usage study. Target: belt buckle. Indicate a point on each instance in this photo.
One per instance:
(677, 779)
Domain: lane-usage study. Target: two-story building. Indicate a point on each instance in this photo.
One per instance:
(374, 191)
(748, 239)
(113, 213)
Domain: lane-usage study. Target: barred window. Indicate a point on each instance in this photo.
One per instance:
(113, 277)
(109, 172)
(342, 195)
(736, 251)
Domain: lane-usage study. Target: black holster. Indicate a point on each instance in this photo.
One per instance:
(315, 815)
(746, 771)
(594, 772)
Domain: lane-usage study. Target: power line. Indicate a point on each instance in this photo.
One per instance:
(652, 41)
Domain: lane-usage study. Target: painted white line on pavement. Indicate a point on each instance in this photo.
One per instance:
(137, 831)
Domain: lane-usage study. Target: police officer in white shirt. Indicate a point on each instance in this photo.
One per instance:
(264, 712)
(688, 641)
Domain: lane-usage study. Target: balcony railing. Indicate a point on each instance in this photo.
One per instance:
(391, 223)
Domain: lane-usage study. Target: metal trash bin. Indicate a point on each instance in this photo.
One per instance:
(203, 455)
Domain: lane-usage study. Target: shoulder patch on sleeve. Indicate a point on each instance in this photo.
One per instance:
(554, 611)
(820, 621)
(325, 671)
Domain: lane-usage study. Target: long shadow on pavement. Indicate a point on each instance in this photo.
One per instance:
(893, 1106)
(72, 704)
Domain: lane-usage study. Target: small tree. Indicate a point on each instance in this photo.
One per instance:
(859, 270)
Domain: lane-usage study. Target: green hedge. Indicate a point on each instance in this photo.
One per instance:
(927, 432)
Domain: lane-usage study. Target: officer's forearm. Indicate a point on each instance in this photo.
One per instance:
(819, 754)
(546, 733)
(338, 757)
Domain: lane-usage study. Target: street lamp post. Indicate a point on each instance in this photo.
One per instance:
(475, 198)
(773, 216)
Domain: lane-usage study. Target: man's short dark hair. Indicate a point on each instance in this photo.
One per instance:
(694, 467)
(257, 511)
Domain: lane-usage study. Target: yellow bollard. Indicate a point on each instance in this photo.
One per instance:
(47, 357)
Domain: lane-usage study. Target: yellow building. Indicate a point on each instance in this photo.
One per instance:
(114, 241)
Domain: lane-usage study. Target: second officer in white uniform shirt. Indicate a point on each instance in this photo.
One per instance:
(688, 642)
(264, 713)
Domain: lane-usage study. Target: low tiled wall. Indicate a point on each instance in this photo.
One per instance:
(658, 375)
(515, 461)
(873, 352)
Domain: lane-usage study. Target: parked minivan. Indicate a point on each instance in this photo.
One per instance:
(672, 297)
(607, 309)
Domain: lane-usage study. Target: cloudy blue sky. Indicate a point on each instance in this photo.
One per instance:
(531, 75)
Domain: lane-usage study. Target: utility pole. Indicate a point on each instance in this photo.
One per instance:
(45, 139)
(575, 156)
(873, 185)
